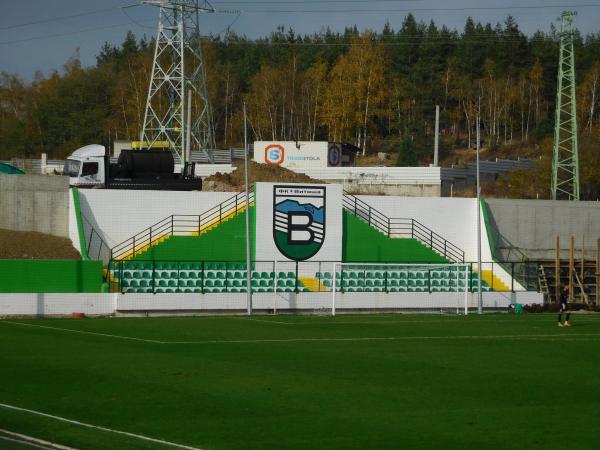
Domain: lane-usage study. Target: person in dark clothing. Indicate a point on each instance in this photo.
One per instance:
(564, 307)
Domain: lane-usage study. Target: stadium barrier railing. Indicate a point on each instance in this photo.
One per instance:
(180, 225)
(402, 227)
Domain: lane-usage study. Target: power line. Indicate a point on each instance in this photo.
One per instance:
(266, 2)
(71, 16)
(385, 44)
(135, 22)
(421, 37)
(413, 10)
(68, 33)
(453, 39)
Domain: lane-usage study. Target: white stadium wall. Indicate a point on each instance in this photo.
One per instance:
(455, 219)
(57, 304)
(395, 181)
(119, 214)
(108, 304)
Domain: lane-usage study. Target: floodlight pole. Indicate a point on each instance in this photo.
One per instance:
(479, 268)
(188, 131)
(437, 136)
(248, 268)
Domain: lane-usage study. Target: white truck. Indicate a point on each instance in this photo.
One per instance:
(90, 167)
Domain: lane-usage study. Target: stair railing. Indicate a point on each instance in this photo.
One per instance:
(400, 227)
(180, 225)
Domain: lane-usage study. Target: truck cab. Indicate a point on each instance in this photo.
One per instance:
(86, 167)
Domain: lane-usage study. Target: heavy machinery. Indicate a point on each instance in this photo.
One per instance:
(90, 167)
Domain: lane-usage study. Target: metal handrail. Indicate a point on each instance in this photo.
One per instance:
(180, 225)
(397, 227)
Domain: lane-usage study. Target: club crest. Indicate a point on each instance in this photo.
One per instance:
(298, 220)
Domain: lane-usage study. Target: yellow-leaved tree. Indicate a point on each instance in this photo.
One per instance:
(356, 93)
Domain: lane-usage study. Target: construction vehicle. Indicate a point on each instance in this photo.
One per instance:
(90, 167)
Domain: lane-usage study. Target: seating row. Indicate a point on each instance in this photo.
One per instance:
(206, 290)
(397, 283)
(149, 265)
(355, 274)
(207, 283)
(184, 274)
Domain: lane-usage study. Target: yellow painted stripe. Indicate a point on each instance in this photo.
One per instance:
(312, 284)
(493, 281)
(203, 229)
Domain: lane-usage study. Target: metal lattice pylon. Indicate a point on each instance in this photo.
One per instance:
(178, 76)
(565, 162)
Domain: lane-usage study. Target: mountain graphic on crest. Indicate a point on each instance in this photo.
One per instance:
(292, 205)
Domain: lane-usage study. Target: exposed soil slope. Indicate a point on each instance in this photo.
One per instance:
(33, 245)
(234, 181)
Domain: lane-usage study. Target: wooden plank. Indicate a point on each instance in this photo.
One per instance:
(571, 267)
(582, 258)
(598, 272)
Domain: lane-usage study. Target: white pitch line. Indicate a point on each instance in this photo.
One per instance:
(269, 321)
(381, 338)
(564, 336)
(27, 443)
(443, 321)
(96, 427)
(34, 442)
(449, 320)
(115, 336)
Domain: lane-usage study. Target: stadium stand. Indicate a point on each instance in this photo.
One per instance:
(202, 254)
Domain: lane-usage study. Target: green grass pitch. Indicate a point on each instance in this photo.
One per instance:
(298, 382)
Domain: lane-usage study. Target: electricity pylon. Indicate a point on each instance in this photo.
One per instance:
(178, 82)
(565, 161)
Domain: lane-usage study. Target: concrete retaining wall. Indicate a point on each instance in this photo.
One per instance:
(402, 190)
(35, 203)
(532, 225)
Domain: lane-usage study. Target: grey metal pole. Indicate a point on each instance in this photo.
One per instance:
(479, 268)
(248, 268)
(437, 136)
(188, 130)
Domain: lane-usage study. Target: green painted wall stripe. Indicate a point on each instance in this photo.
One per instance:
(253, 231)
(82, 244)
(225, 242)
(50, 276)
(488, 228)
(362, 243)
(491, 243)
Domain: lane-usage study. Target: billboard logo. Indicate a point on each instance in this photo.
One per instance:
(274, 154)
(298, 220)
(334, 155)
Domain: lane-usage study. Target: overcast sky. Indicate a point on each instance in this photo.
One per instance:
(29, 41)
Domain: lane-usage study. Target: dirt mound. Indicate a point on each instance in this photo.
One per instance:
(33, 245)
(234, 181)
